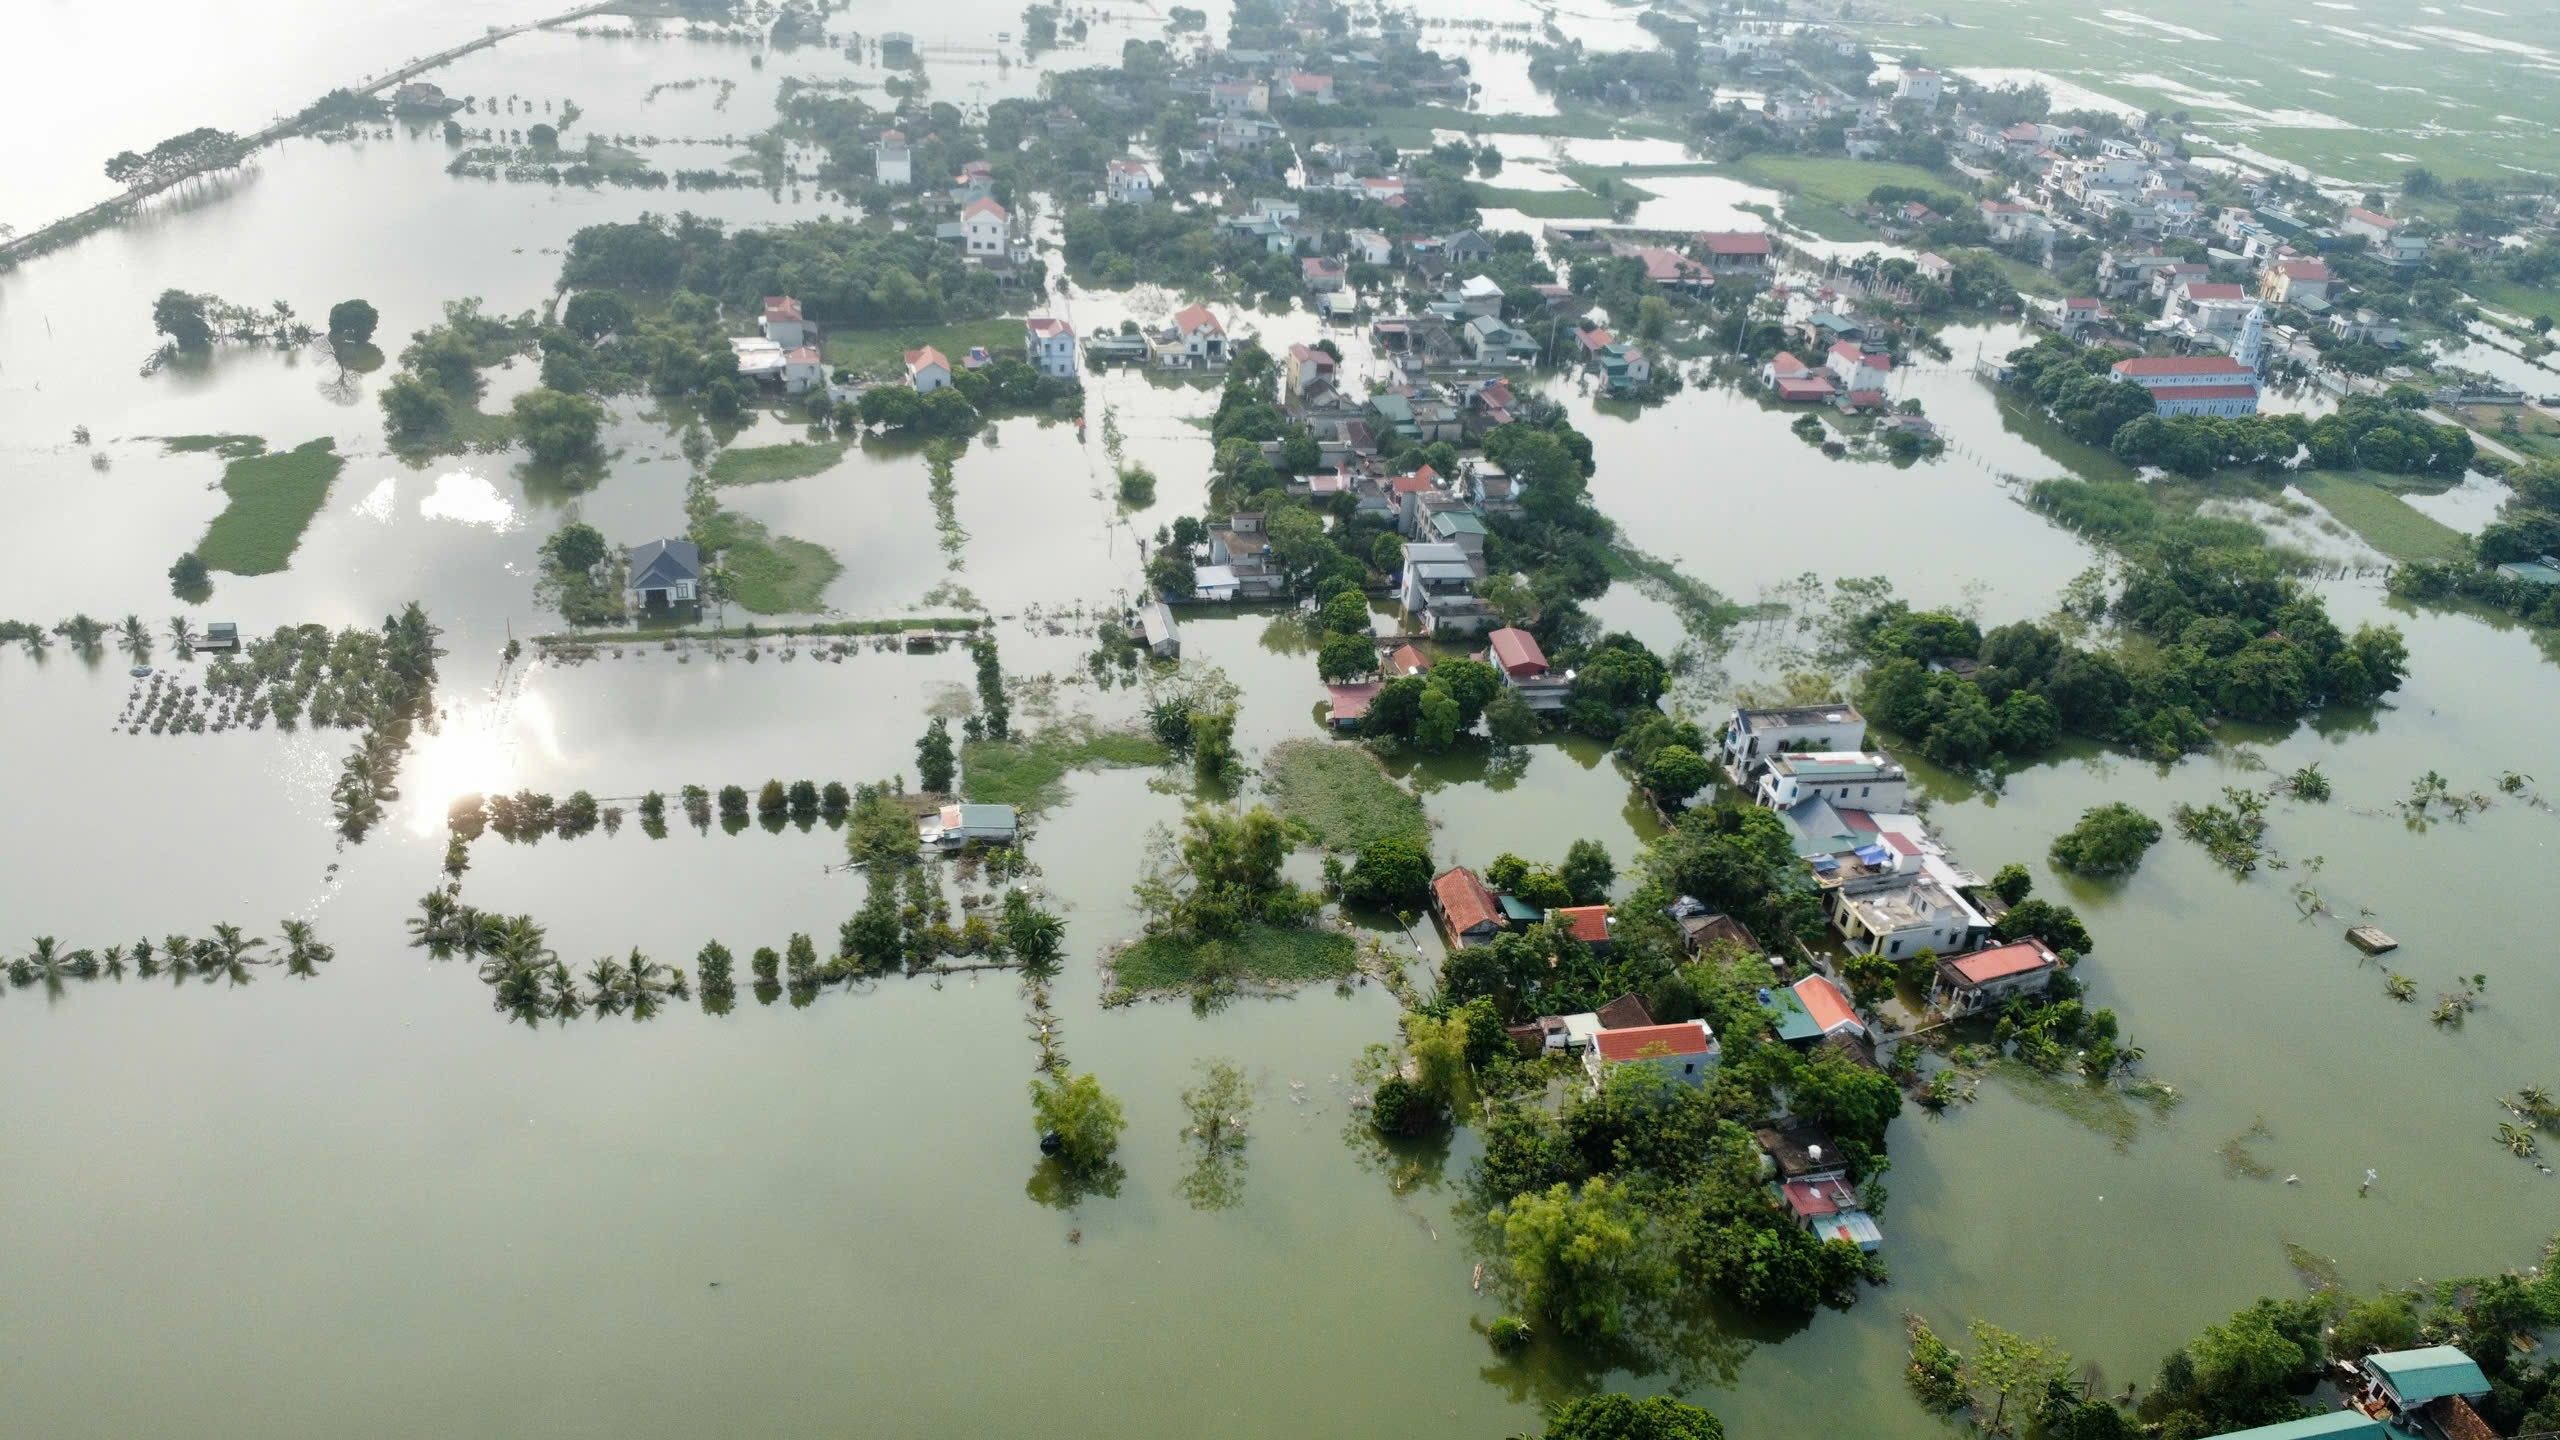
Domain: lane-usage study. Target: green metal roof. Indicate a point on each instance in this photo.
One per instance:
(1456, 522)
(1787, 1015)
(2429, 1374)
(2335, 1425)
(2531, 571)
(976, 817)
(1521, 910)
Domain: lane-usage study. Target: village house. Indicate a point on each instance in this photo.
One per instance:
(417, 97)
(2421, 1385)
(1322, 273)
(2210, 311)
(1466, 247)
(1933, 266)
(1827, 1008)
(892, 163)
(1157, 631)
(1477, 296)
(1276, 236)
(1984, 979)
(1438, 590)
(1589, 924)
(1735, 252)
(1801, 1152)
(782, 323)
(927, 370)
(1465, 909)
(664, 573)
(1368, 247)
(1241, 551)
(1490, 342)
(1129, 182)
(1856, 367)
(2192, 385)
(1686, 1052)
(1309, 370)
(2303, 284)
(1384, 188)
(1753, 736)
(1894, 910)
(2365, 327)
(976, 181)
(2374, 229)
(1795, 381)
(1454, 524)
(1573, 1034)
(1195, 340)
(2010, 222)
(1852, 779)
(1524, 668)
(1315, 88)
(982, 228)
(1049, 346)
(1240, 97)
(959, 827)
(1669, 270)
(1701, 926)
(1347, 706)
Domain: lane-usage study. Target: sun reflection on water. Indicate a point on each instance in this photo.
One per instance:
(475, 749)
(462, 496)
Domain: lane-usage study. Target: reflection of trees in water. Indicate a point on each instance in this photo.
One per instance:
(1063, 1187)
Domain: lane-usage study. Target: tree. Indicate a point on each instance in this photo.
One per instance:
(935, 765)
(576, 547)
(2012, 883)
(351, 322)
(558, 428)
(413, 409)
(1078, 1121)
(1623, 1417)
(1508, 719)
(1347, 613)
(1578, 1257)
(1170, 573)
(1471, 682)
(1676, 772)
(1346, 657)
(181, 317)
(2056, 925)
(1435, 726)
(1588, 872)
(2109, 840)
(773, 799)
(2008, 1364)
(189, 580)
(593, 314)
(1391, 870)
(542, 137)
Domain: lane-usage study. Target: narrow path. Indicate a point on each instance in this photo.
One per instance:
(40, 240)
(2503, 452)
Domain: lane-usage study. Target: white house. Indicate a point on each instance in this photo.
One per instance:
(892, 163)
(1240, 97)
(2192, 384)
(1857, 368)
(1368, 247)
(2008, 221)
(1909, 914)
(982, 227)
(1318, 88)
(2366, 225)
(927, 371)
(782, 323)
(1196, 339)
(1129, 183)
(1049, 344)
(2304, 283)
(956, 827)
(1687, 1052)
(1919, 86)
(1754, 735)
(1850, 779)
(802, 370)
(1382, 187)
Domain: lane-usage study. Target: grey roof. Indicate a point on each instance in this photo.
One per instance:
(661, 563)
(1434, 553)
(986, 817)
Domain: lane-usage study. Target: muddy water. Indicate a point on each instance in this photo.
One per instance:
(770, 1220)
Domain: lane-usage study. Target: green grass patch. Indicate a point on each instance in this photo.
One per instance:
(229, 447)
(884, 352)
(760, 464)
(2368, 505)
(1030, 773)
(2524, 301)
(2100, 1108)
(1262, 952)
(1551, 204)
(1823, 190)
(2535, 433)
(1339, 795)
(2029, 279)
(767, 573)
(273, 498)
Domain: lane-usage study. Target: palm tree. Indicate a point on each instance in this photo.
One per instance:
(46, 961)
(562, 988)
(178, 950)
(231, 948)
(35, 640)
(606, 984)
(432, 924)
(85, 634)
(2535, 1102)
(112, 963)
(182, 633)
(303, 954)
(135, 637)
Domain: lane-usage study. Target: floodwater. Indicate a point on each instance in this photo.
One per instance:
(305, 1207)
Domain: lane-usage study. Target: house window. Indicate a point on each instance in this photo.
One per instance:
(1865, 790)
(1894, 949)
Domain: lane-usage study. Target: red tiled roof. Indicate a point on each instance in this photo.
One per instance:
(1687, 1038)
(918, 359)
(2370, 218)
(1351, 702)
(1588, 923)
(1045, 326)
(1594, 338)
(1463, 899)
(781, 307)
(1816, 1198)
(2180, 365)
(1805, 387)
(804, 355)
(1735, 242)
(1192, 317)
(1850, 350)
(1788, 364)
(1859, 821)
(1406, 660)
(1902, 844)
(2304, 270)
(2209, 392)
(1823, 1001)
(2082, 302)
(2015, 958)
(1320, 265)
(2215, 292)
(1516, 650)
(1867, 399)
(982, 206)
